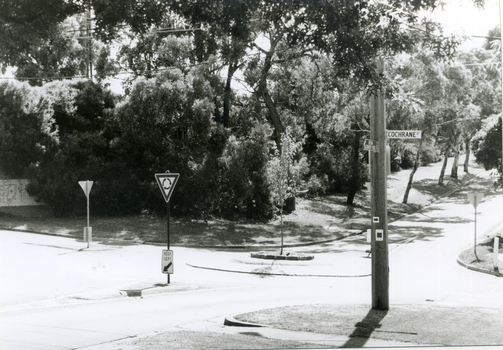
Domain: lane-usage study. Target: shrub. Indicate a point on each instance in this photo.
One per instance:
(430, 154)
(22, 121)
(244, 189)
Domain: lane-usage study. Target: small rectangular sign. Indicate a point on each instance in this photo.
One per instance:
(167, 261)
(403, 134)
(379, 235)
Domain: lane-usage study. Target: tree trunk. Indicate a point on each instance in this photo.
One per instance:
(354, 184)
(411, 176)
(228, 92)
(467, 157)
(454, 169)
(281, 228)
(455, 164)
(442, 172)
(264, 93)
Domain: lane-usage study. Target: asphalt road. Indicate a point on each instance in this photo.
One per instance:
(56, 295)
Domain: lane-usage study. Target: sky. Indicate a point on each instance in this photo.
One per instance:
(463, 17)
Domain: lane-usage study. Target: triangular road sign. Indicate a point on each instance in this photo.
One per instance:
(167, 183)
(86, 186)
(475, 198)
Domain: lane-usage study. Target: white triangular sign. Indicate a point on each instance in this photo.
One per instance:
(475, 198)
(167, 183)
(86, 186)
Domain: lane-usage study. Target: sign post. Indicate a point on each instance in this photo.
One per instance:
(88, 231)
(475, 198)
(167, 182)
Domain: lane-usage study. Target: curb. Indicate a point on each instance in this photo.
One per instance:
(476, 269)
(232, 322)
(273, 274)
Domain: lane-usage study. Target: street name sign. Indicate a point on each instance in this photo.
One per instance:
(167, 261)
(403, 134)
(167, 183)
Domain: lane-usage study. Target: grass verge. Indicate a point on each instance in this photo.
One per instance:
(405, 323)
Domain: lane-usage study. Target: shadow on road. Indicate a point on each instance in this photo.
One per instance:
(365, 328)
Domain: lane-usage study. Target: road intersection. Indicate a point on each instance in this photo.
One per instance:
(57, 294)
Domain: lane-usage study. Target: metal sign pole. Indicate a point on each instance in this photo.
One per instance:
(167, 233)
(475, 243)
(167, 182)
(87, 187)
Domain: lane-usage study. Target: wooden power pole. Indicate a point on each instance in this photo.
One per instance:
(379, 211)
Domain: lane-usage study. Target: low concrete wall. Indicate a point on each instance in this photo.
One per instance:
(13, 194)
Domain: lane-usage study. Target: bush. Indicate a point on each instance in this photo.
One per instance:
(77, 151)
(487, 144)
(244, 190)
(332, 166)
(22, 135)
(430, 154)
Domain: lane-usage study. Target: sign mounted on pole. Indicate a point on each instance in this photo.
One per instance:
(88, 231)
(475, 198)
(403, 134)
(167, 183)
(167, 261)
(86, 186)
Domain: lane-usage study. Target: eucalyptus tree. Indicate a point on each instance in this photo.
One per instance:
(27, 26)
(24, 127)
(486, 89)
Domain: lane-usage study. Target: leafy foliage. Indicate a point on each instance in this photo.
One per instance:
(23, 127)
(487, 144)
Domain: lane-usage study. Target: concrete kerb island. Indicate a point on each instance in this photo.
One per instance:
(474, 268)
(491, 271)
(284, 256)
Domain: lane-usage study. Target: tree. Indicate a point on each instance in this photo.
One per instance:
(487, 144)
(25, 25)
(284, 175)
(23, 127)
(225, 32)
(78, 148)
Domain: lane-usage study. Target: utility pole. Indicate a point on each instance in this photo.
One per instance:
(379, 211)
(501, 47)
(89, 42)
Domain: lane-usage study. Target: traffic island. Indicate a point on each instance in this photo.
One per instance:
(483, 258)
(285, 256)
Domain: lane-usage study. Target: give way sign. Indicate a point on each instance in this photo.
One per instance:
(167, 183)
(475, 198)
